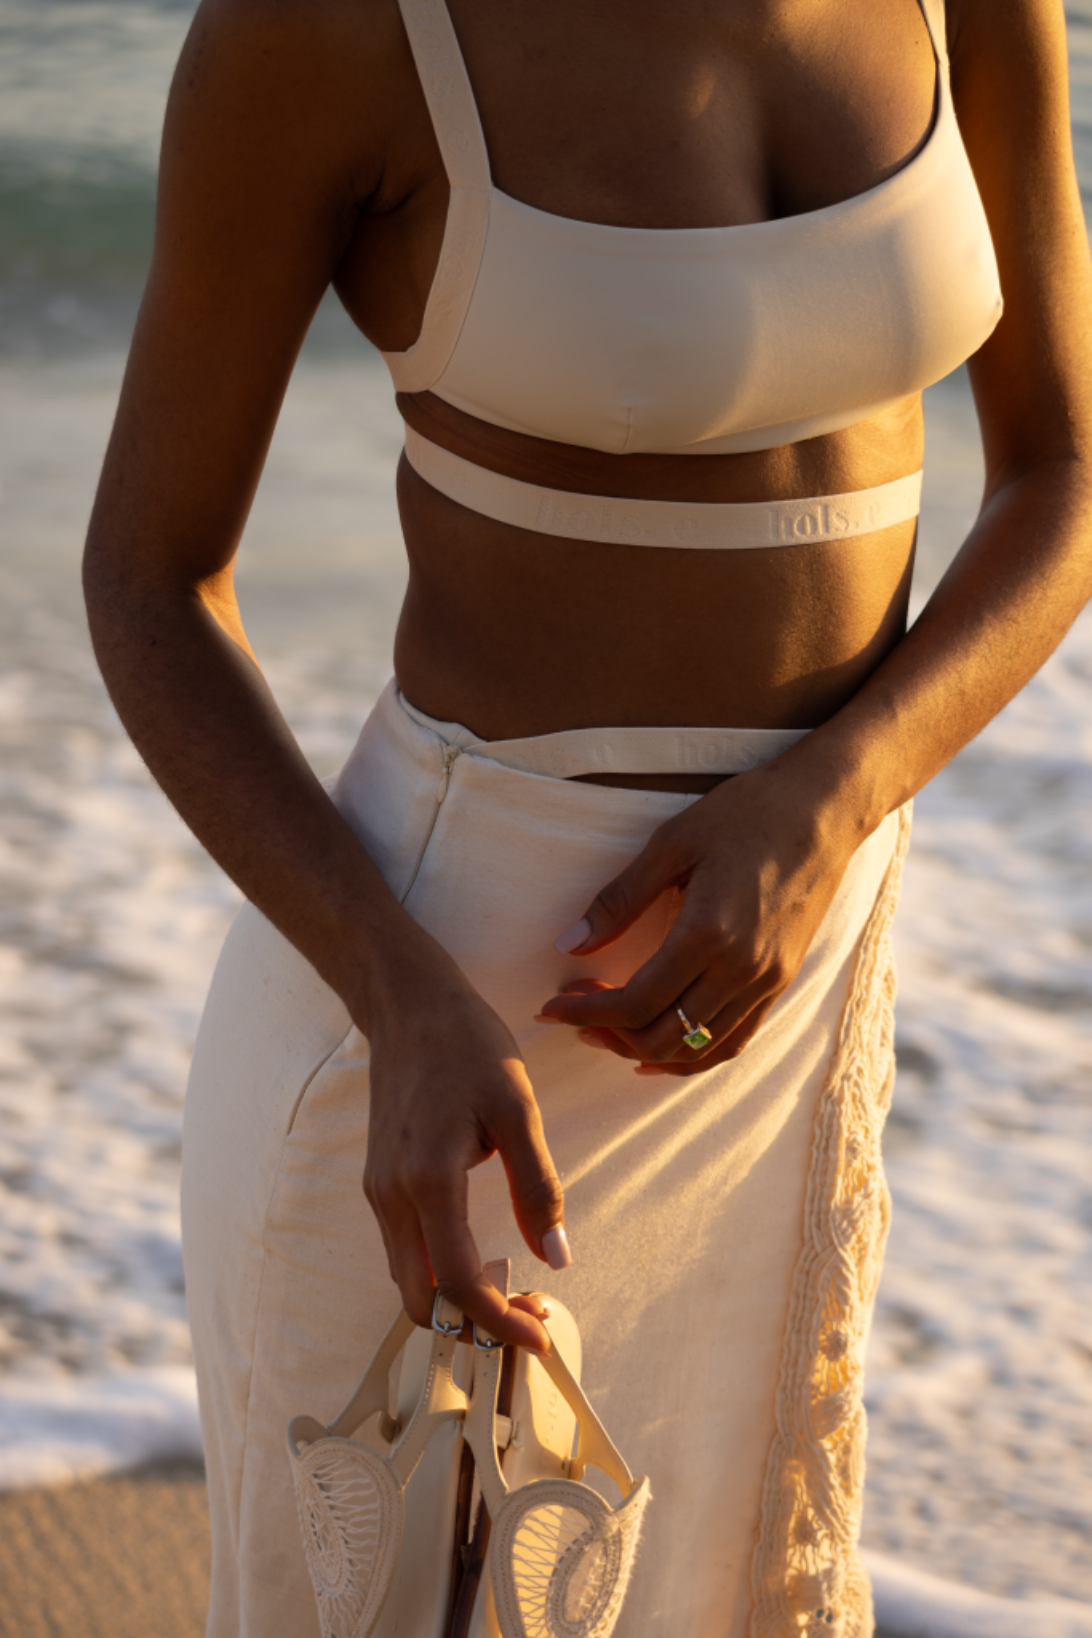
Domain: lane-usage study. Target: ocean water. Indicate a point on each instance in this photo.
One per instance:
(980, 1385)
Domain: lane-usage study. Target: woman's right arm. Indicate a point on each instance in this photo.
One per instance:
(273, 150)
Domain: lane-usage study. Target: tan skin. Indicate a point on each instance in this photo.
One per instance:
(298, 152)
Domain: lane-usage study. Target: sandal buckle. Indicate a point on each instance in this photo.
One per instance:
(445, 1328)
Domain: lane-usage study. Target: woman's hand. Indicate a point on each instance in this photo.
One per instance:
(757, 863)
(448, 1090)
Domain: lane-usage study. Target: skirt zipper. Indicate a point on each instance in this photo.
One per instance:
(450, 754)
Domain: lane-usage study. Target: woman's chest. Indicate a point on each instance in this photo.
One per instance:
(648, 117)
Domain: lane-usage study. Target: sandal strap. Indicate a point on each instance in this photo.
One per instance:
(594, 1445)
(371, 1396)
(480, 1429)
(441, 1400)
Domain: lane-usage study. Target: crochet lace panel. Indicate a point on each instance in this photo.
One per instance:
(562, 1560)
(806, 1575)
(350, 1510)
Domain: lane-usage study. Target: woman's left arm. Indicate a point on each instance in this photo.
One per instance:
(762, 856)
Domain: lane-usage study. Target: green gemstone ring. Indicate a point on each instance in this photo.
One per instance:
(696, 1036)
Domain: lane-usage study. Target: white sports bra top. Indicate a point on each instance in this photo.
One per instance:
(694, 340)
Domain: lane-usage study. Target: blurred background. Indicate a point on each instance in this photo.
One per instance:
(980, 1387)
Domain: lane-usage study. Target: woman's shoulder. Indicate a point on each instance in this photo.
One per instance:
(320, 81)
(296, 53)
(308, 25)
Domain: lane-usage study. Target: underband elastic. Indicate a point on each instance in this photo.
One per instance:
(576, 752)
(699, 525)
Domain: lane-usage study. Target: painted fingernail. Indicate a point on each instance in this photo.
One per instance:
(573, 937)
(555, 1248)
(544, 1018)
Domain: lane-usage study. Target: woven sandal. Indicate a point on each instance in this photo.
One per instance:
(559, 1556)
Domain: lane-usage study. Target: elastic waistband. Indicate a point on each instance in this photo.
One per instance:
(580, 751)
(701, 526)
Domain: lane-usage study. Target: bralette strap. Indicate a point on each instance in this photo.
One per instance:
(936, 21)
(448, 92)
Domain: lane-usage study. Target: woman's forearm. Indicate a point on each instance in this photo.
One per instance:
(1016, 586)
(203, 718)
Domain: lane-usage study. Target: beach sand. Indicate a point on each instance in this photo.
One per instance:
(123, 1557)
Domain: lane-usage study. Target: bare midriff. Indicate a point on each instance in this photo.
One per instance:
(516, 633)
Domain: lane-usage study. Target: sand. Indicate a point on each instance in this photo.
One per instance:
(124, 1557)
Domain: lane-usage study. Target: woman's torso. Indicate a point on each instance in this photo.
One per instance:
(634, 117)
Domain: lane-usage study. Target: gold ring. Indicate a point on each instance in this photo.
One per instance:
(696, 1036)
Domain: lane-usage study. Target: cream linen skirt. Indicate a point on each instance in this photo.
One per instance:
(727, 1229)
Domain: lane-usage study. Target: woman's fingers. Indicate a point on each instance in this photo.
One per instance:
(531, 1302)
(664, 1040)
(723, 1050)
(416, 1183)
(455, 1270)
(721, 999)
(656, 868)
(441, 1206)
(603, 1038)
(677, 965)
(537, 1196)
(407, 1256)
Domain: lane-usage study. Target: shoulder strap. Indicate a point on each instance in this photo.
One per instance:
(935, 21)
(448, 92)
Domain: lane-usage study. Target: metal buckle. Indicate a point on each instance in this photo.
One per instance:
(485, 1343)
(441, 1325)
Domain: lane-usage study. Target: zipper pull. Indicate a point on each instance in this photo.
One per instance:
(445, 772)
